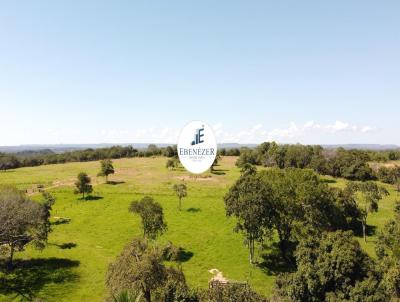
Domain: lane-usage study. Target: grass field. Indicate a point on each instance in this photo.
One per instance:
(73, 266)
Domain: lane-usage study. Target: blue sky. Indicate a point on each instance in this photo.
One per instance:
(138, 71)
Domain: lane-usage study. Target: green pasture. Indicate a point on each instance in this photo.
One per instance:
(73, 265)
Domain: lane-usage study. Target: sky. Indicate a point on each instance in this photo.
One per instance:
(311, 72)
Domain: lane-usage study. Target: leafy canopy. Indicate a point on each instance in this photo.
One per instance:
(152, 216)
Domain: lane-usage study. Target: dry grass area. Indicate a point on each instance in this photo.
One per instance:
(389, 164)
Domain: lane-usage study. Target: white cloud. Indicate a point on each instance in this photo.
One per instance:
(258, 133)
(145, 135)
(338, 126)
(366, 129)
(309, 131)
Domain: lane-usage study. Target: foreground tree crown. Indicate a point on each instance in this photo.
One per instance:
(22, 221)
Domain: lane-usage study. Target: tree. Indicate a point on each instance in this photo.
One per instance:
(215, 162)
(301, 201)
(153, 149)
(392, 155)
(181, 192)
(22, 221)
(248, 169)
(388, 242)
(368, 195)
(48, 202)
(8, 162)
(250, 201)
(390, 283)
(83, 184)
(388, 251)
(139, 268)
(139, 271)
(262, 154)
(331, 267)
(396, 177)
(106, 168)
(350, 164)
(172, 163)
(152, 216)
(171, 151)
(231, 292)
(246, 156)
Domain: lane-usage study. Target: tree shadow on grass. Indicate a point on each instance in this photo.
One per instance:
(274, 263)
(28, 277)
(219, 171)
(67, 245)
(183, 255)
(61, 220)
(92, 198)
(115, 182)
(370, 230)
(193, 210)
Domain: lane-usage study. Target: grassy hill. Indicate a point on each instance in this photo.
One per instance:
(73, 266)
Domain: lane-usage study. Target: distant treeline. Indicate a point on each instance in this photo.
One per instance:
(45, 157)
(350, 164)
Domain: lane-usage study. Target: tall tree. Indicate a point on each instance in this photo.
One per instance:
(106, 168)
(301, 201)
(248, 169)
(396, 177)
(22, 221)
(330, 267)
(388, 242)
(388, 252)
(139, 268)
(215, 162)
(8, 162)
(139, 271)
(250, 201)
(181, 192)
(152, 216)
(48, 202)
(368, 194)
(172, 163)
(83, 184)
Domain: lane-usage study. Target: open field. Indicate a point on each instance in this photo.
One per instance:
(389, 164)
(73, 266)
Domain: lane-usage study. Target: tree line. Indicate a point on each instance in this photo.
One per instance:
(30, 159)
(349, 164)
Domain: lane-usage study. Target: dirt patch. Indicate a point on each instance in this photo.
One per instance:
(195, 178)
(55, 184)
(375, 166)
(60, 183)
